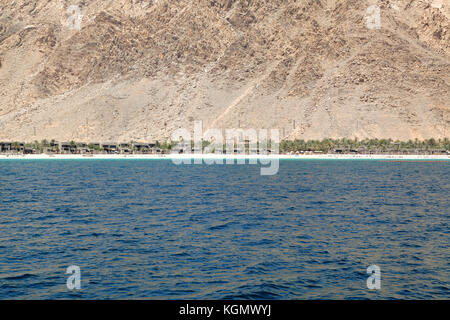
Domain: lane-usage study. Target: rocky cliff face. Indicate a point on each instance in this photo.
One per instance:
(139, 69)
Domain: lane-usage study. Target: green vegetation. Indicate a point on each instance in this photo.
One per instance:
(375, 145)
(295, 146)
(94, 147)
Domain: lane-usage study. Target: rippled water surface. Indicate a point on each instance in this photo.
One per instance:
(150, 229)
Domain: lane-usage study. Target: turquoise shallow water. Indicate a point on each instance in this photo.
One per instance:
(150, 229)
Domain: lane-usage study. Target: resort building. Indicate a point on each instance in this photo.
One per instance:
(5, 146)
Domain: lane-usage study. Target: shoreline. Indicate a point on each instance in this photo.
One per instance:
(224, 156)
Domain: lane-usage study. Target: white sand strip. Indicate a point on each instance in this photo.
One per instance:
(215, 156)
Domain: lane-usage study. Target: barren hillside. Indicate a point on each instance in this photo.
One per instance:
(138, 69)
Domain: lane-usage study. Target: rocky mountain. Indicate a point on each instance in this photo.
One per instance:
(122, 70)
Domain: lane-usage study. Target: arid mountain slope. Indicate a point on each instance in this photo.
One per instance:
(139, 69)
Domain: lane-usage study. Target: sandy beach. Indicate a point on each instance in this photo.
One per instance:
(225, 156)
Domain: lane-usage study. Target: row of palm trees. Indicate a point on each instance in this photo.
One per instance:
(288, 146)
(327, 145)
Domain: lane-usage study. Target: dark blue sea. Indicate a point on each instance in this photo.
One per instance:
(148, 229)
